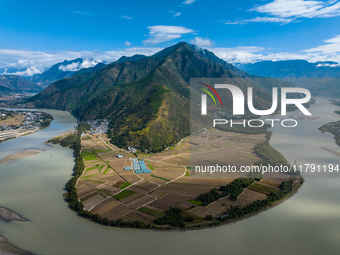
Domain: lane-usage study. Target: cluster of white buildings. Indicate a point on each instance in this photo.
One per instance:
(131, 149)
(32, 120)
(98, 126)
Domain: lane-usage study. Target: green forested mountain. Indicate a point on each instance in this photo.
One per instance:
(148, 100)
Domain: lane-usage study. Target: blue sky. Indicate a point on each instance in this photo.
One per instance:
(37, 34)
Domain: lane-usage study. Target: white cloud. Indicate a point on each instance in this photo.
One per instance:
(126, 17)
(332, 46)
(33, 62)
(188, 1)
(300, 8)
(327, 65)
(169, 30)
(88, 63)
(71, 67)
(76, 66)
(176, 14)
(286, 11)
(233, 22)
(239, 54)
(127, 43)
(252, 54)
(201, 42)
(158, 34)
(83, 13)
(269, 20)
(20, 64)
(30, 71)
(158, 38)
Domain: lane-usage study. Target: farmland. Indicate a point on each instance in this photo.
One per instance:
(117, 195)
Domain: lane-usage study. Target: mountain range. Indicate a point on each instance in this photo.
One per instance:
(147, 99)
(10, 84)
(293, 69)
(60, 71)
(321, 78)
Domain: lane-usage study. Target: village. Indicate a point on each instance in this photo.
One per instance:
(17, 123)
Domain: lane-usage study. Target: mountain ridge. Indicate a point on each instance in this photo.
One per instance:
(60, 71)
(293, 69)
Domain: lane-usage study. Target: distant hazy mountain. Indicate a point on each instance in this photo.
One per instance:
(60, 71)
(293, 69)
(321, 78)
(148, 100)
(16, 84)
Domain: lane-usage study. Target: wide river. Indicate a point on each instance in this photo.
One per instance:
(307, 223)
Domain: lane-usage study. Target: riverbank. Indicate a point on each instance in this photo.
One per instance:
(7, 248)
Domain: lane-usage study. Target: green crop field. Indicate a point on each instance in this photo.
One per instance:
(107, 169)
(160, 178)
(86, 154)
(195, 202)
(124, 194)
(99, 151)
(91, 168)
(101, 168)
(90, 158)
(127, 184)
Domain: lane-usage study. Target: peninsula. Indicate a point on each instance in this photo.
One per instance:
(117, 187)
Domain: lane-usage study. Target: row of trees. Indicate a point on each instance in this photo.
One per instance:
(47, 119)
(175, 218)
(286, 188)
(234, 189)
